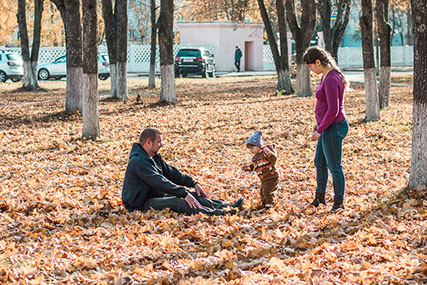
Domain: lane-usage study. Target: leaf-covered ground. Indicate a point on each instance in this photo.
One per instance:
(61, 218)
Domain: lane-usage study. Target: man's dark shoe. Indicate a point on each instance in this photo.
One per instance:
(338, 204)
(238, 204)
(319, 199)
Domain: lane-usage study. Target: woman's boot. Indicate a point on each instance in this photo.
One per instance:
(338, 204)
(320, 198)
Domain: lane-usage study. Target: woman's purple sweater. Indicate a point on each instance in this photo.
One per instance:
(330, 101)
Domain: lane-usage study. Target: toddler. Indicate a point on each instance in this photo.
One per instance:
(263, 164)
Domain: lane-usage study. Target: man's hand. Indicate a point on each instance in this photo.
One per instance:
(192, 202)
(315, 136)
(200, 191)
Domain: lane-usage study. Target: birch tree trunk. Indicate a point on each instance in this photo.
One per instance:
(372, 101)
(30, 62)
(90, 71)
(303, 80)
(168, 92)
(384, 32)
(110, 37)
(122, 43)
(70, 14)
(152, 75)
(38, 12)
(302, 34)
(284, 85)
(418, 174)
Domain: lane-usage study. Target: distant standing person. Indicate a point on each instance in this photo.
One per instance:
(237, 57)
(331, 127)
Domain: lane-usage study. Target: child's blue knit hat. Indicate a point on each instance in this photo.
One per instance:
(255, 139)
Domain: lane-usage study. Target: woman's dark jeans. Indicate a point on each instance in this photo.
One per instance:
(209, 207)
(328, 156)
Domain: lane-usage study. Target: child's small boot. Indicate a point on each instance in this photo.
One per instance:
(319, 199)
(338, 204)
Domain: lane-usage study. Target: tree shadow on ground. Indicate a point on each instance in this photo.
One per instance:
(14, 121)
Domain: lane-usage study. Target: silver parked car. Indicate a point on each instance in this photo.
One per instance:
(11, 66)
(58, 68)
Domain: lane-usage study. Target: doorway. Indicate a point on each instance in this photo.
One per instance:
(249, 55)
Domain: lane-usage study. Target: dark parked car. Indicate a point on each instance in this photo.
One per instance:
(194, 61)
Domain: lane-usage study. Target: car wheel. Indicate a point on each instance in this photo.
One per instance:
(102, 77)
(16, 79)
(44, 74)
(184, 75)
(3, 76)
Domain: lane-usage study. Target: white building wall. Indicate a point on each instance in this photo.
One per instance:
(225, 36)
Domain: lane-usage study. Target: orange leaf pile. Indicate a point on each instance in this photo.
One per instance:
(62, 221)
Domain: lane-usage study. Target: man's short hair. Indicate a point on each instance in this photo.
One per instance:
(148, 134)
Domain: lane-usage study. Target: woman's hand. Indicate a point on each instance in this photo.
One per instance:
(245, 167)
(315, 136)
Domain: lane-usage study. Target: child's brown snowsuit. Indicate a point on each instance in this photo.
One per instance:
(264, 167)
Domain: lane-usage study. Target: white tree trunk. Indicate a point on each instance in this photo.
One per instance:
(29, 80)
(152, 76)
(90, 106)
(113, 80)
(384, 90)
(303, 80)
(418, 174)
(167, 93)
(122, 88)
(73, 101)
(371, 95)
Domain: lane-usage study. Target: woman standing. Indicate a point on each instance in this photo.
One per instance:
(332, 126)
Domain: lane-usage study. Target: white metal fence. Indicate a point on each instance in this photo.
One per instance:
(139, 56)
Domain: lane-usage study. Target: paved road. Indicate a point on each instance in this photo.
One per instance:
(353, 76)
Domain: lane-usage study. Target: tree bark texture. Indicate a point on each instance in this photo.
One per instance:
(384, 32)
(281, 62)
(168, 92)
(372, 101)
(110, 38)
(90, 71)
(418, 174)
(333, 35)
(152, 73)
(122, 43)
(303, 80)
(302, 34)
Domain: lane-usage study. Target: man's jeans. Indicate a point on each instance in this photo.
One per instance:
(179, 205)
(328, 156)
(237, 64)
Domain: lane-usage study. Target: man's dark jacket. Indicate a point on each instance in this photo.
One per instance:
(237, 54)
(148, 177)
